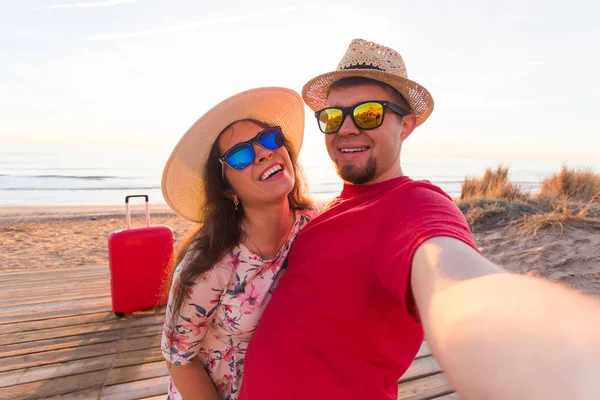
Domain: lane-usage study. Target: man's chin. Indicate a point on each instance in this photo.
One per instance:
(357, 175)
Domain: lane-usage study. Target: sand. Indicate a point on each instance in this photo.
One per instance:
(51, 237)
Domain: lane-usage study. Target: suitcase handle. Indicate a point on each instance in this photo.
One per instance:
(127, 213)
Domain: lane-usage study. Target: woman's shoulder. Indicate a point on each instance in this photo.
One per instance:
(220, 273)
(305, 215)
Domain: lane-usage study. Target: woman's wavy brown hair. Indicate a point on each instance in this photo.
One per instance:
(221, 229)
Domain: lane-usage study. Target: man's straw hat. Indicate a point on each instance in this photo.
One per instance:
(182, 180)
(371, 60)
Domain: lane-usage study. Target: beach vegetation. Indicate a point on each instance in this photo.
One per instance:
(569, 197)
(495, 184)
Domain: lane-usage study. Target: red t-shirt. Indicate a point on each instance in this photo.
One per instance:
(342, 323)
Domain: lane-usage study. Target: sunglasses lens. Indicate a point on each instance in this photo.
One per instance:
(239, 157)
(271, 139)
(368, 115)
(330, 120)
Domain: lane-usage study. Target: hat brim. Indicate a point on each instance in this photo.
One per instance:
(182, 179)
(316, 90)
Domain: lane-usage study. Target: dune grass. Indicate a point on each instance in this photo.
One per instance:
(494, 184)
(570, 196)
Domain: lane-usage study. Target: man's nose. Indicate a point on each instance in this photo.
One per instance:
(348, 127)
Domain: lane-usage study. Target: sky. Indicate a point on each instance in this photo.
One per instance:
(510, 79)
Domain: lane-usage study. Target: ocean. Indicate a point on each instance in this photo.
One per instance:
(46, 176)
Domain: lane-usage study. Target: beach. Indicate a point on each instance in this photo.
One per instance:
(55, 237)
(60, 337)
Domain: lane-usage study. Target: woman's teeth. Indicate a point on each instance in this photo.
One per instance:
(270, 172)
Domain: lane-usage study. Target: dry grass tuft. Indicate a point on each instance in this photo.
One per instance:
(571, 192)
(570, 198)
(483, 214)
(574, 184)
(494, 185)
(480, 214)
(531, 224)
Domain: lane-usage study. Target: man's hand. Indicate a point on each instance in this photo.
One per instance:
(504, 336)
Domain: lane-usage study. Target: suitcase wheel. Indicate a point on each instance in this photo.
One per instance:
(120, 314)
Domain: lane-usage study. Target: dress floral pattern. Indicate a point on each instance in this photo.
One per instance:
(222, 311)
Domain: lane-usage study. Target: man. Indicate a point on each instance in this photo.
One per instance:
(391, 257)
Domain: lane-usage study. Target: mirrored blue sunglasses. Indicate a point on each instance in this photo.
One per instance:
(242, 154)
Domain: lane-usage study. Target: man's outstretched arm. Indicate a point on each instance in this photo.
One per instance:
(505, 336)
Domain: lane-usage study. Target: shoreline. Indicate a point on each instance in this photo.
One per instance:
(27, 214)
(22, 214)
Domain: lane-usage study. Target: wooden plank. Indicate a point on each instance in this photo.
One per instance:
(28, 375)
(37, 275)
(55, 333)
(18, 318)
(88, 351)
(50, 288)
(451, 396)
(47, 281)
(51, 292)
(54, 306)
(136, 357)
(141, 343)
(135, 390)
(57, 322)
(42, 276)
(56, 356)
(28, 271)
(421, 367)
(72, 317)
(90, 394)
(143, 331)
(65, 284)
(136, 373)
(143, 320)
(424, 388)
(55, 387)
(424, 351)
(136, 327)
(55, 297)
(60, 343)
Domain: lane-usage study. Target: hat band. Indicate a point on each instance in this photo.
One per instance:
(363, 66)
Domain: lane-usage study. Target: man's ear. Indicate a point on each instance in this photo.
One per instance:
(409, 123)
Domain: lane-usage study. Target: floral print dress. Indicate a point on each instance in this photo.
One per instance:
(222, 311)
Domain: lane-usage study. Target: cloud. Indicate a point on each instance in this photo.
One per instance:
(106, 3)
(184, 27)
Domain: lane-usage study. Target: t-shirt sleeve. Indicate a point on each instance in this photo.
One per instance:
(432, 214)
(182, 337)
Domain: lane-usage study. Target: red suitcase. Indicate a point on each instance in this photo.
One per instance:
(139, 259)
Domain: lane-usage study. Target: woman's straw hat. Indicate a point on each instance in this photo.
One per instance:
(371, 60)
(182, 180)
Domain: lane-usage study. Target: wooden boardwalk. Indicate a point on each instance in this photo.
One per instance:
(59, 339)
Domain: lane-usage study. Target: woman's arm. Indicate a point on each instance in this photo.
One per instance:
(504, 336)
(193, 381)
(183, 336)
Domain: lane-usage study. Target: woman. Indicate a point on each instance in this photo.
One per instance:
(235, 171)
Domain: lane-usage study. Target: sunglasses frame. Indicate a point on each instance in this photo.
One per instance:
(250, 144)
(350, 111)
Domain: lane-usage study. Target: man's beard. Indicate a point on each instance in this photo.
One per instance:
(357, 175)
